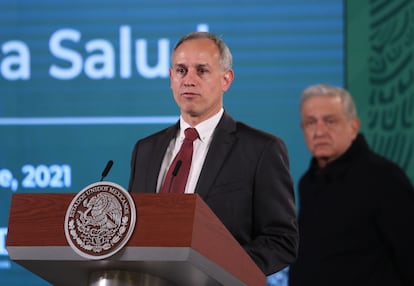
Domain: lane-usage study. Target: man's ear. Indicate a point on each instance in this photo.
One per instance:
(227, 79)
(355, 125)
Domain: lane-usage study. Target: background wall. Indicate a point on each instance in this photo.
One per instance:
(380, 74)
(81, 81)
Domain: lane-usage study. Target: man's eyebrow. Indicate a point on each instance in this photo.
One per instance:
(330, 116)
(179, 65)
(194, 65)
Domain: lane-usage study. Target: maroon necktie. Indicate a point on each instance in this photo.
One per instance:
(176, 178)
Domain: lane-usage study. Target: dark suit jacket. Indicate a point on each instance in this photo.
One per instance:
(245, 180)
(356, 222)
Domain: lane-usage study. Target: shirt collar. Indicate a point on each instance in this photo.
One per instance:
(205, 129)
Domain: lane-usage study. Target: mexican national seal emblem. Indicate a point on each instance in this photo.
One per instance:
(100, 220)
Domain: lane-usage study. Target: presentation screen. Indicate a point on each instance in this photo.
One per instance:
(82, 81)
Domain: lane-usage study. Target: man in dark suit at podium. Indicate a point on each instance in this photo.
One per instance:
(240, 172)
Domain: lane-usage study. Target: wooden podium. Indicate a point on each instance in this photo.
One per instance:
(177, 239)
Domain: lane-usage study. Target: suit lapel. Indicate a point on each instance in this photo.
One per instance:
(221, 144)
(157, 155)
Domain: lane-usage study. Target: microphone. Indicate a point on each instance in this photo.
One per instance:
(107, 169)
(174, 173)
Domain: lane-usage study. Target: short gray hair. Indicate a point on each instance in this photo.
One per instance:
(226, 59)
(333, 91)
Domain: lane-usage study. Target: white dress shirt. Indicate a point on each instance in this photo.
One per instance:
(205, 131)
